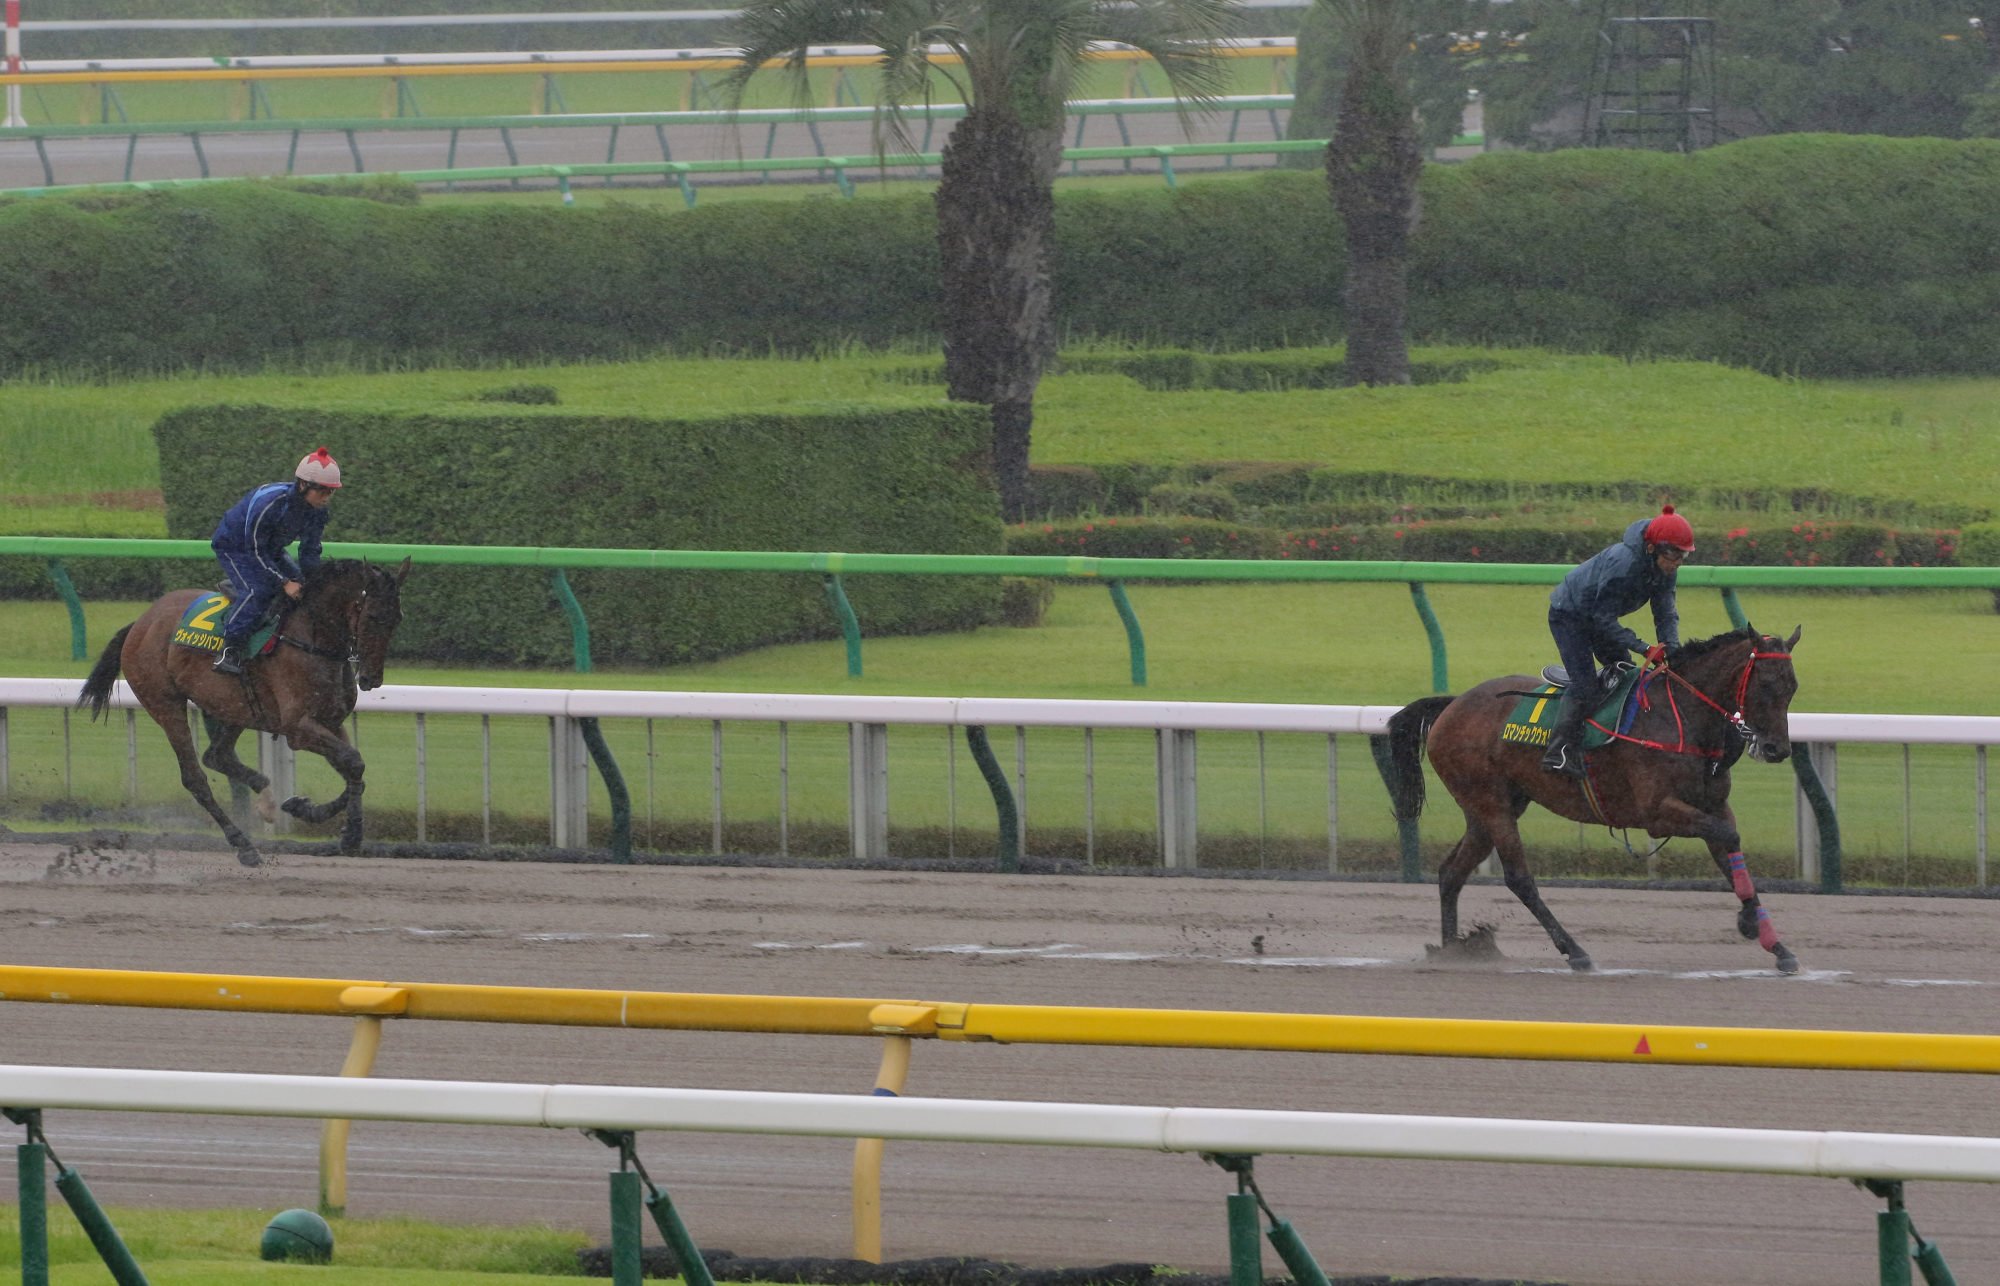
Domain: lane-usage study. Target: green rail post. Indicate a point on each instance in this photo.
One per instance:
(1930, 1262)
(850, 629)
(79, 643)
(694, 1268)
(1292, 1249)
(1832, 879)
(1003, 797)
(1440, 666)
(110, 1248)
(1135, 638)
(627, 1266)
(1246, 1251)
(1892, 1245)
(593, 735)
(31, 1169)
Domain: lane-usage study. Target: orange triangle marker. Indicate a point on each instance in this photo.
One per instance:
(1642, 1047)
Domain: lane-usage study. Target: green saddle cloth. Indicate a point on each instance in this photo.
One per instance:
(201, 626)
(1534, 717)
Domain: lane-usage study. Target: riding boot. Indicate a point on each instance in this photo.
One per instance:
(1565, 752)
(231, 660)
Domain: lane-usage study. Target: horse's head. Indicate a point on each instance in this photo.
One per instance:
(363, 604)
(374, 616)
(1748, 676)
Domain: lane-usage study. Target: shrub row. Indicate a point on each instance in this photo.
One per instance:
(1295, 488)
(1804, 544)
(860, 478)
(1821, 254)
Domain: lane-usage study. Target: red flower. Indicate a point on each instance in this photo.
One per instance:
(1312, 544)
(1738, 533)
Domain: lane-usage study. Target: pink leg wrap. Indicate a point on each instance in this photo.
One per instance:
(1767, 933)
(1739, 876)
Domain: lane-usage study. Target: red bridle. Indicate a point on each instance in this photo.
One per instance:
(1735, 718)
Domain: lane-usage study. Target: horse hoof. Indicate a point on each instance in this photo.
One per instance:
(249, 857)
(1580, 963)
(1787, 962)
(296, 805)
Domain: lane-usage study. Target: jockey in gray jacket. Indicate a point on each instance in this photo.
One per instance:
(1583, 616)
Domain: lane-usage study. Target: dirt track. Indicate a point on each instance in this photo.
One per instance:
(1668, 957)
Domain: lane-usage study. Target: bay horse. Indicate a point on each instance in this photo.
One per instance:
(1668, 773)
(335, 638)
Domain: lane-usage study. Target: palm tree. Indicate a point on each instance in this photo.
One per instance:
(1016, 64)
(1373, 162)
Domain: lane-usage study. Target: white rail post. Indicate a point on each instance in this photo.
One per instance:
(1176, 758)
(278, 761)
(569, 784)
(868, 790)
(14, 118)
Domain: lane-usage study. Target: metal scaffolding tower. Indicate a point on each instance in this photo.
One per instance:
(1653, 84)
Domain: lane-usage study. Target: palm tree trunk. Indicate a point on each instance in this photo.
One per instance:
(1377, 297)
(1373, 163)
(996, 243)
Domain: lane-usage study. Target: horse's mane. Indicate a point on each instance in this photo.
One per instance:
(1701, 647)
(330, 570)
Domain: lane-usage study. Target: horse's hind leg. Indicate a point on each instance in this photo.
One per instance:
(172, 718)
(221, 756)
(1456, 868)
(1514, 861)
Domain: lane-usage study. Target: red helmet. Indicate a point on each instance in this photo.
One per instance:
(1670, 529)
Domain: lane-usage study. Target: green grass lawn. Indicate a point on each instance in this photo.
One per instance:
(73, 452)
(193, 1247)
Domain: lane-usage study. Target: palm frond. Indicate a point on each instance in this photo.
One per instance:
(783, 31)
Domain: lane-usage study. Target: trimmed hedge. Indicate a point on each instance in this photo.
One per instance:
(836, 478)
(1820, 254)
(1475, 540)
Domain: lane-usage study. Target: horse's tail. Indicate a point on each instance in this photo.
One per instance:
(1403, 767)
(97, 688)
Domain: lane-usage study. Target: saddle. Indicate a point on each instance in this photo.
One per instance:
(200, 626)
(1534, 716)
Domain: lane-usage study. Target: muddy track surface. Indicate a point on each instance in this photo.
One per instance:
(1667, 957)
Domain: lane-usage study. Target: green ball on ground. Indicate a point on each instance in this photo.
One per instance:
(297, 1236)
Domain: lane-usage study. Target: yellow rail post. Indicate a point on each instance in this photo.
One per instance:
(361, 1051)
(889, 1081)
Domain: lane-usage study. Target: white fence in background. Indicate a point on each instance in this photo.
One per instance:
(1831, 1154)
(1175, 724)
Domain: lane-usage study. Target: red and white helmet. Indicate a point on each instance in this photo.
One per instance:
(321, 470)
(1670, 529)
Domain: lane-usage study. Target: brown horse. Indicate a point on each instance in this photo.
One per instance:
(1668, 774)
(335, 638)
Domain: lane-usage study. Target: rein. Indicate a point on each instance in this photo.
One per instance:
(351, 654)
(1734, 718)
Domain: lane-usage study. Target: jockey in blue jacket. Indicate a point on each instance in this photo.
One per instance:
(1583, 616)
(250, 543)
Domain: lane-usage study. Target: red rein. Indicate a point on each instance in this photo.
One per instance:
(1681, 746)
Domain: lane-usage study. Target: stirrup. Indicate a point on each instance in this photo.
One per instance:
(1565, 758)
(230, 662)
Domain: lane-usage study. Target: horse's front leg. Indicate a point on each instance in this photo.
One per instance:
(1725, 847)
(332, 744)
(221, 757)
